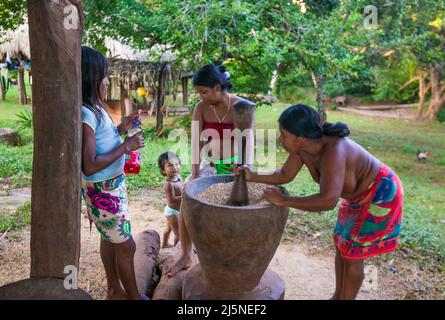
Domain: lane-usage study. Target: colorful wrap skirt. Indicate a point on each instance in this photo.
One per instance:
(370, 224)
(107, 208)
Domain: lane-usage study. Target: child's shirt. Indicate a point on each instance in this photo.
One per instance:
(107, 139)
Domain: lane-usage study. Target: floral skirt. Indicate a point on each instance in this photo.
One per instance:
(370, 224)
(107, 208)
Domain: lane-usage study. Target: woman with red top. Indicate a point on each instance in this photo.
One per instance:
(213, 123)
(214, 115)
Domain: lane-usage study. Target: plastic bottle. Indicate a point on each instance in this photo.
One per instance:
(133, 158)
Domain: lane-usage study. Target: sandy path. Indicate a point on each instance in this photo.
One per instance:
(307, 275)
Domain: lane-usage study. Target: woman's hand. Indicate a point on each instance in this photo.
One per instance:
(127, 122)
(134, 142)
(248, 172)
(275, 196)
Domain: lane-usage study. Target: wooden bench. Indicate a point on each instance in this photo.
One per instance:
(178, 111)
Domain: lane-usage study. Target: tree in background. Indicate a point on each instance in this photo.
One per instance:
(12, 14)
(325, 41)
(423, 35)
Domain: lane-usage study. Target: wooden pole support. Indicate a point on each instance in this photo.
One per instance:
(57, 100)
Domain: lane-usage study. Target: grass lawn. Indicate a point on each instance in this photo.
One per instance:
(395, 142)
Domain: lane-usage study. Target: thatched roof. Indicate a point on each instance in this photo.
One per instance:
(116, 49)
(15, 42)
(147, 72)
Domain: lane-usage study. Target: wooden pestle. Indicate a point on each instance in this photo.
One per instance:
(243, 111)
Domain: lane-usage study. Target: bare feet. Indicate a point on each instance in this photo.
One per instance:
(183, 263)
(116, 295)
(166, 245)
(336, 296)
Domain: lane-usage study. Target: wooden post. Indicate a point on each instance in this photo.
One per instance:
(21, 85)
(160, 99)
(123, 109)
(2, 88)
(57, 97)
(130, 98)
(110, 90)
(185, 91)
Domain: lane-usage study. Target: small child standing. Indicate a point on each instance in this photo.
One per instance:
(169, 165)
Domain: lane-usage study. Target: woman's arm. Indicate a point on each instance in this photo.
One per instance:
(332, 176)
(283, 175)
(92, 163)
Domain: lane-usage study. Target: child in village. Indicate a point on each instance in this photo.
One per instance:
(169, 165)
(103, 178)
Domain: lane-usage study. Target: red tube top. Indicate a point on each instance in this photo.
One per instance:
(220, 127)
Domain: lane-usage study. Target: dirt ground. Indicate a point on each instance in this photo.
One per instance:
(307, 270)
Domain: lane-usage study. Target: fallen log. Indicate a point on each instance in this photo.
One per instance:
(148, 244)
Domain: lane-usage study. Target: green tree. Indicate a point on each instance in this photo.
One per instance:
(423, 36)
(12, 13)
(320, 39)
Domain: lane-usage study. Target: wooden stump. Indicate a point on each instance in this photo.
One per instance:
(9, 136)
(41, 289)
(148, 244)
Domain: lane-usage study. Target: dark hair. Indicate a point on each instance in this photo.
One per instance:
(304, 121)
(210, 75)
(94, 70)
(166, 156)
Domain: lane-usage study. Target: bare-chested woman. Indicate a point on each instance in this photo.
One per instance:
(343, 169)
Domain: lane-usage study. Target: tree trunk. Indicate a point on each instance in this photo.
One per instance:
(185, 92)
(21, 85)
(423, 89)
(160, 99)
(2, 88)
(273, 82)
(437, 98)
(57, 97)
(321, 96)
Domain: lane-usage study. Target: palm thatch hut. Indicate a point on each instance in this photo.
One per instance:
(131, 74)
(14, 46)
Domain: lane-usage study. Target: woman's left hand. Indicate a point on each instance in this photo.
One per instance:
(127, 122)
(275, 196)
